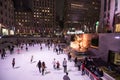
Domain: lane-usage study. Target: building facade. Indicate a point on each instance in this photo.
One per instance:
(110, 16)
(38, 17)
(6, 17)
(81, 14)
(44, 13)
(24, 22)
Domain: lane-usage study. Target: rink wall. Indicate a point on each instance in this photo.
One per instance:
(4, 42)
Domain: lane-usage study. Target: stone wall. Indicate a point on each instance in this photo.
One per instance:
(107, 41)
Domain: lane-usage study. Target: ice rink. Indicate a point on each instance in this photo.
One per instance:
(25, 70)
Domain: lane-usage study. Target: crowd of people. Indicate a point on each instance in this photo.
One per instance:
(80, 64)
(88, 63)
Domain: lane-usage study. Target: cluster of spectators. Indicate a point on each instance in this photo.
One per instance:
(89, 63)
(86, 63)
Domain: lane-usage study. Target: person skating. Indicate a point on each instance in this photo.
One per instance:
(40, 47)
(65, 65)
(13, 62)
(69, 56)
(83, 68)
(75, 61)
(26, 48)
(39, 66)
(31, 60)
(54, 63)
(43, 66)
(58, 65)
(66, 77)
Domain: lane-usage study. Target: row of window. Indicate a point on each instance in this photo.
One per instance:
(7, 6)
(6, 21)
(19, 20)
(10, 16)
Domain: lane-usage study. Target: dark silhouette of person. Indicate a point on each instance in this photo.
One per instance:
(39, 66)
(13, 62)
(66, 77)
(43, 66)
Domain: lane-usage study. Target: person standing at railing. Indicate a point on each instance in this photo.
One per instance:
(83, 68)
(79, 65)
(75, 61)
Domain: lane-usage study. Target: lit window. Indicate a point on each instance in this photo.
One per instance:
(42, 10)
(37, 15)
(34, 15)
(45, 19)
(93, 2)
(25, 20)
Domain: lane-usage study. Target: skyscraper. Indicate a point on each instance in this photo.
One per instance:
(81, 14)
(23, 18)
(110, 16)
(37, 17)
(6, 17)
(44, 12)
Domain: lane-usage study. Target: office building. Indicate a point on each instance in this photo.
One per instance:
(6, 17)
(81, 14)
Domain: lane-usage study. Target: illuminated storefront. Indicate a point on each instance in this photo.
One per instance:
(4, 31)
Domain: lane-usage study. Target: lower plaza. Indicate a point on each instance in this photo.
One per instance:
(25, 70)
(85, 57)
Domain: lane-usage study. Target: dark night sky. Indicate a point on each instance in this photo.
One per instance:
(59, 5)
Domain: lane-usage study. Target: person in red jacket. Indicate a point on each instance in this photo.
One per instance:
(58, 65)
(83, 68)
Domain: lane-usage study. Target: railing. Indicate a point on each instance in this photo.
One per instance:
(91, 75)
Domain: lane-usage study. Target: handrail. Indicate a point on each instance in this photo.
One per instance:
(91, 75)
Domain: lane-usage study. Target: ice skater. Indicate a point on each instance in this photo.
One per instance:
(69, 56)
(40, 47)
(43, 66)
(31, 60)
(39, 66)
(58, 65)
(66, 77)
(65, 65)
(26, 48)
(54, 63)
(13, 62)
